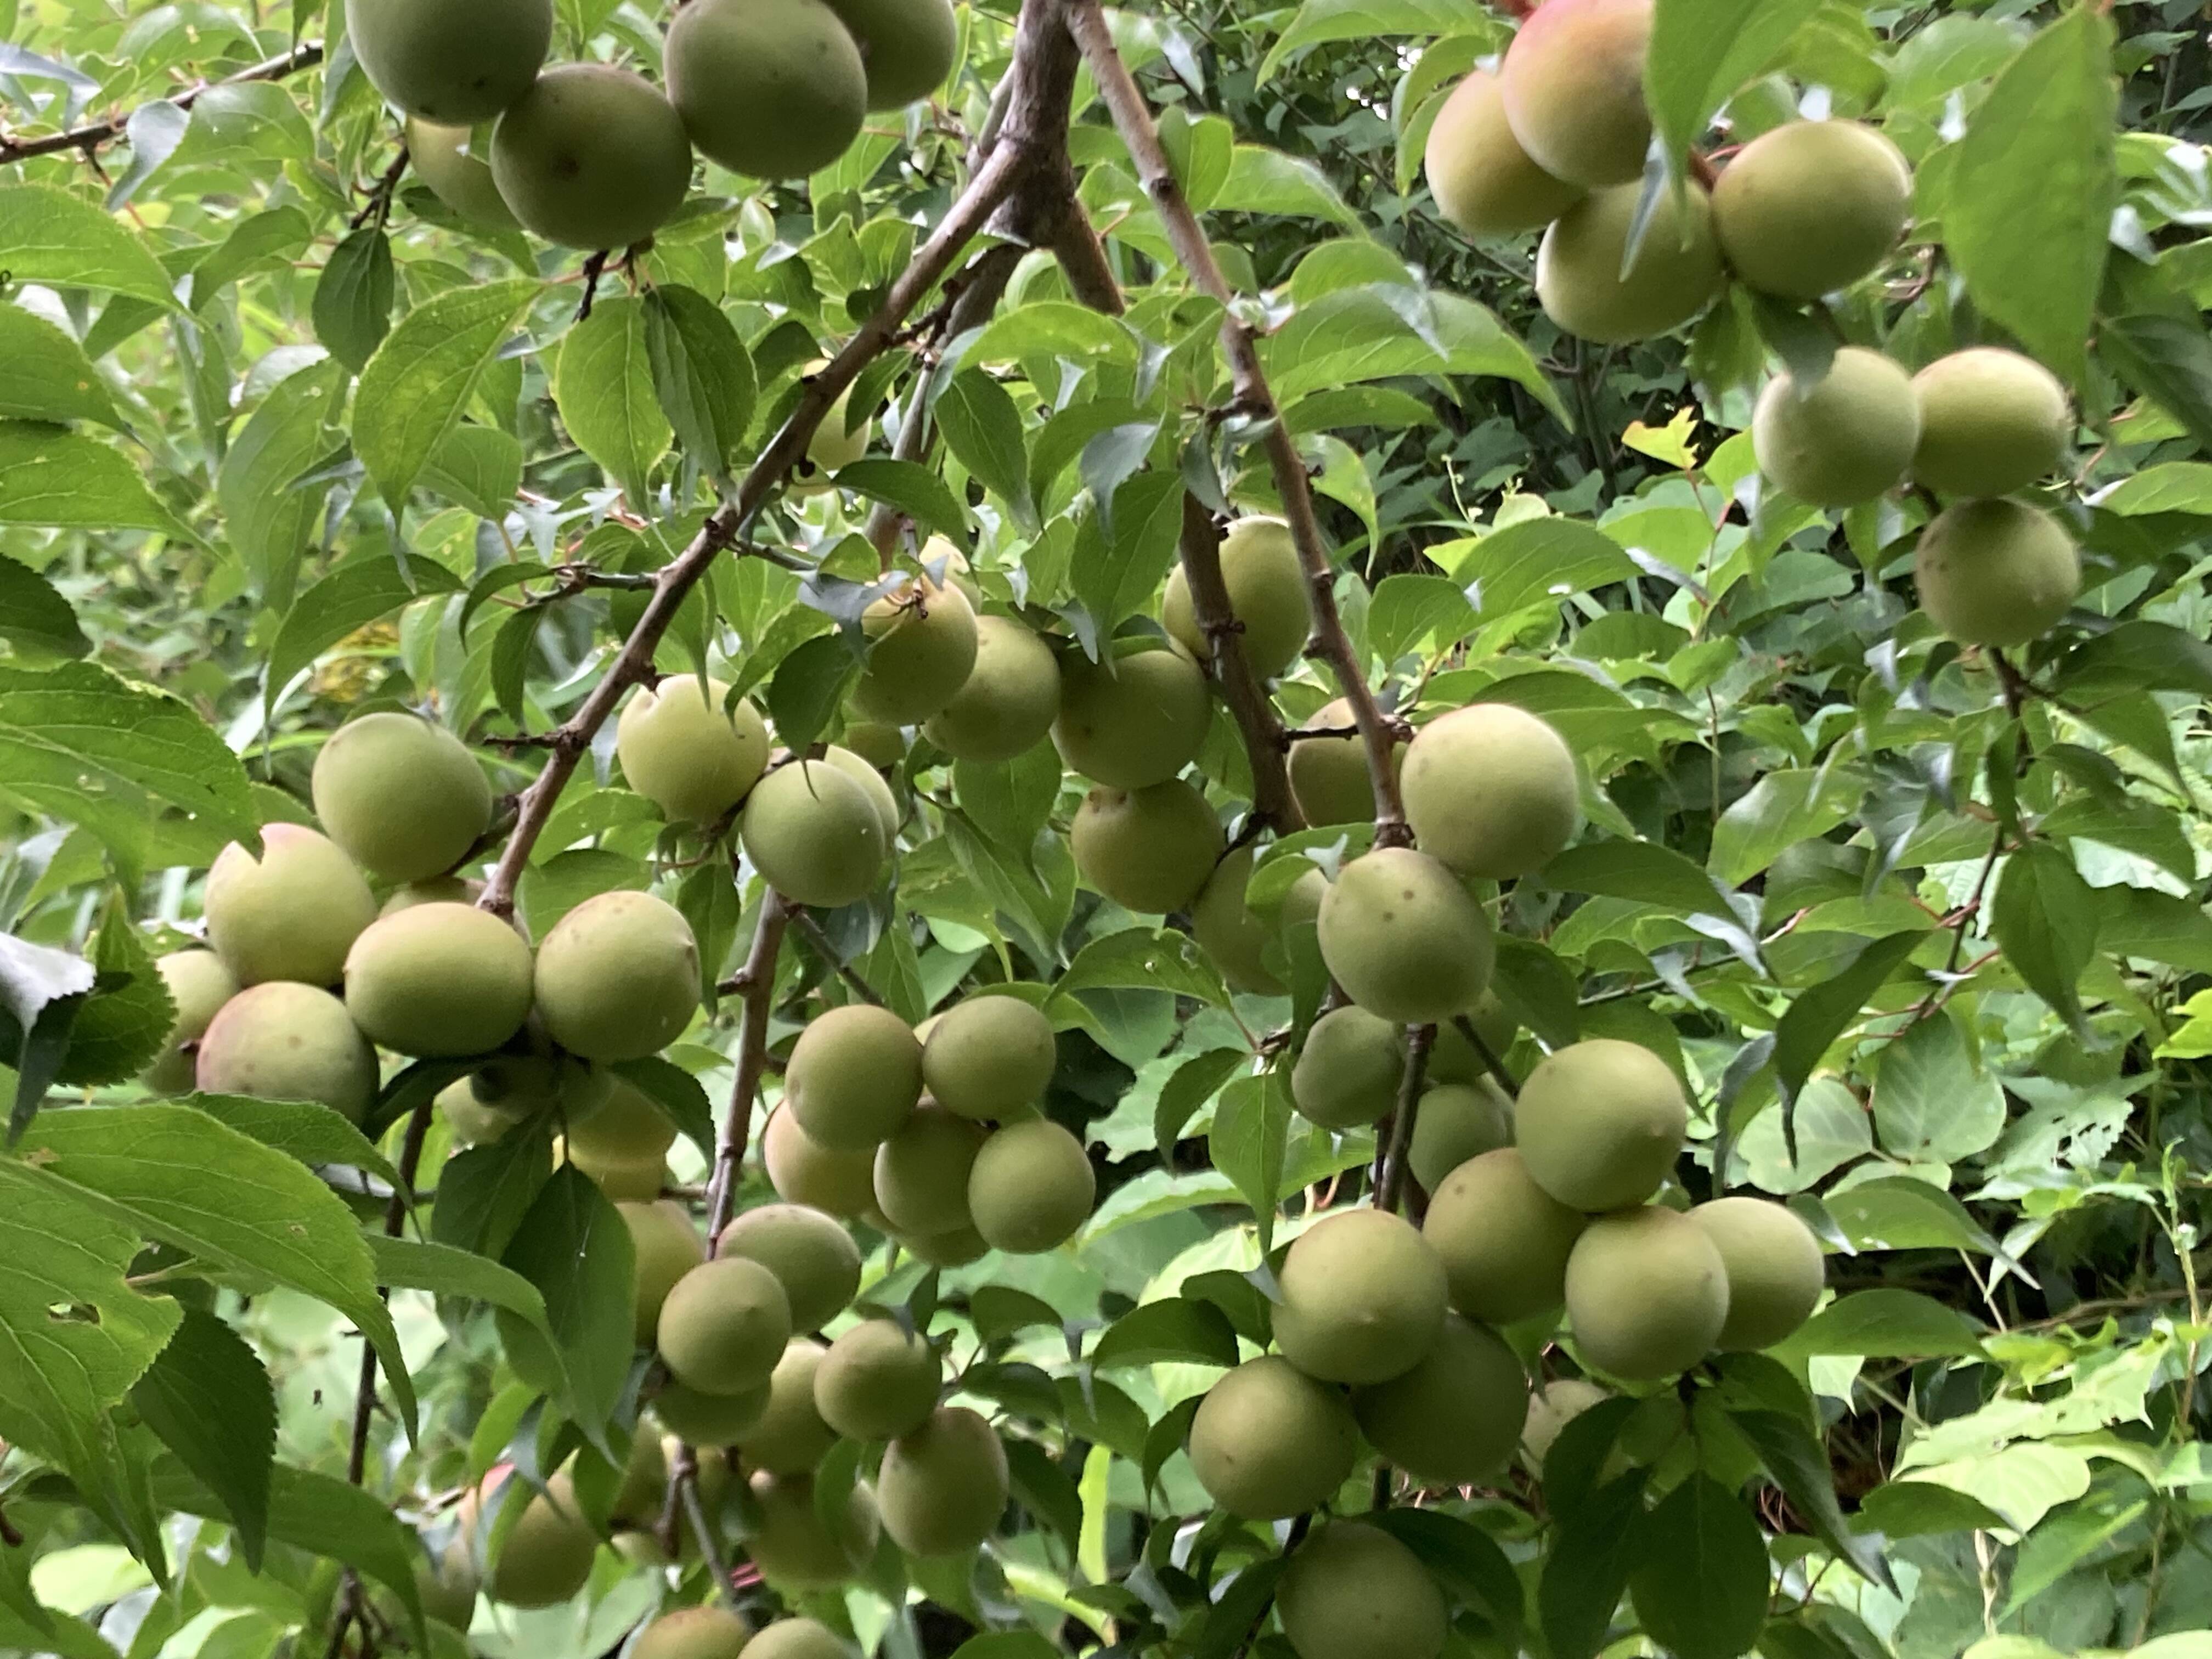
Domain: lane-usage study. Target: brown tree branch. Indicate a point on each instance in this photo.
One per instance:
(91, 136)
(758, 995)
(1390, 1186)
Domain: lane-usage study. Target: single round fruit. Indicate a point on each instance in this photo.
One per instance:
(1551, 1408)
(708, 1633)
(439, 979)
(1151, 850)
(627, 1126)
(291, 913)
(1996, 572)
(1676, 273)
(666, 1246)
(453, 65)
(1363, 1297)
(877, 1382)
(1457, 1122)
(1490, 791)
(618, 977)
(791, 1544)
(921, 1172)
(1504, 1240)
(1812, 206)
(1227, 930)
(1454, 1418)
(855, 1073)
(1347, 1074)
(448, 1587)
(1991, 422)
(1403, 938)
(404, 797)
(1600, 1123)
(1132, 721)
(989, 1057)
(1572, 83)
(688, 749)
(804, 1171)
(1848, 438)
(944, 1485)
(708, 1419)
(198, 985)
(921, 648)
(1329, 776)
(282, 1040)
(955, 1249)
(907, 45)
(883, 746)
(446, 162)
(812, 1256)
(790, 1437)
(799, 1638)
(832, 446)
(724, 1326)
(1775, 1273)
(814, 834)
(591, 157)
(545, 1553)
(872, 785)
(1352, 1591)
(1031, 1187)
(1483, 180)
(1267, 595)
(770, 88)
(472, 1122)
(1647, 1293)
(1268, 1442)
(1009, 701)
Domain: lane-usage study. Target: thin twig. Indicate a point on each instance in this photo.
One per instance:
(757, 994)
(595, 266)
(1492, 1060)
(811, 930)
(90, 137)
(379, 204)
(1391, 1188)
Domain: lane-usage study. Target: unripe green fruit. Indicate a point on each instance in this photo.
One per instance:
(872, 785)
(453, 65)
(1267, 595)
(1572, 83)
(804, 1171)
(665, 1246)
(682, 753)
(1991, 422)
(908, 46)
(855, 1075)
(1457, 1122)
(1846, 439)
(1551, 1408)
(198, 984)
(1009, 701)
(282, 1041)
(814, 834)
(812, 1256)
(1504, 1240)
(921, 1172)
(1301, 904)
(448, 1587)
(791, 1545)
(1647, 1293)
(708, 1419)
(832, 446)
(1149, 850)
(921, 648)
(799, 1638)
(707, 1632)
(292, 914)
(618, 977)
(1483, 180)
(404, 798)
(724, 1326)
(1363, 1297)
(1227, 930)
(1490, 791)
(790, 1436)
(1348, 1073)
(627, 1127)
(438, 890)
(988, 1057)
(1329, 776)
(643, 1487)
(1676, 274)
(1031, 1187)
(1132, 721)
(1600, 1123)
(529, 1075)
(1352, 1591)
(770, 88)
(472, 1122)
(943, 1486)
(1775, 1273)
(439, 979)
(955, 1249)
(1996, 572)
(444, 160)
(1268, 1442)
(877, 1382)
(1456, 1417)
(1812, 206)
(592, 156)
(1403, 938)
(879, 745)
(545, 1552)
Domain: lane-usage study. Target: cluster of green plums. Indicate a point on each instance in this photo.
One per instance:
(595, 156)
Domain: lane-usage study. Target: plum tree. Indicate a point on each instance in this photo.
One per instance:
(723, 1326)
(618, 977)
(814, 833)
(1149, 849)
(789, 1436)
(907, 47)
(1349, 1071)
(592, 156)
(198, 985)
(441, 64)
(1504, 1241)
(1267, 595)
(1996, 572)
(690, 750)
(1457, 1122)
(1008, 701)
(282, 1040)
(922, 642)
(439, 979)
(1483, 180)
(292, 914)
(921, 1172)
(445, 160)
(1457, 1415)
(1329, 775)
(1030, 1187)
(1647, 1293)
(804, 1171)
(944, 1485)
(812, 1257)
(1269, 1442)
(1352, 1590)
(1812, 206)
(1846, 438)
(1991, 422)
(792, 1543)
(1490, 791)
(404, 798)
(1572, 84)
(771, 89)
(1773, 1267)
(988, 1057)
(1134, 720)
(1364, 1297)
(1403, 938)
(1600, 1123)
(1590, 286)
(855, 1075)
(877, 1382)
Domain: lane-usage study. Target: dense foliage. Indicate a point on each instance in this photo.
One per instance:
(286, 440)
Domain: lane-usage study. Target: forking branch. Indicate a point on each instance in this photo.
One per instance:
(92, 135)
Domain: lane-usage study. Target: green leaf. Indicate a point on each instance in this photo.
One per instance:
(477, 467)
(700, 374)
(1321, 20)
(2169, 360)
(212, 1404)
(47, 235)
(807, 687)
(352, 305)
(51, 478)
(604, 387)
(420, 380)
(1930, 1103)
(1700, 1579)
(1473, 1570)
(444, 1270)
(983, 430)
(1886, 1324)
(1829, 1129)
(264, 241)
(1592, 1554)
(1116, 575)
(364, 589)
(1009, 801)
(1798, 1464)
(2044, 918)
(1264, 181)
(574, 1246)
(1144, 958)
(1819, 1015)
(1703, 51)
(46, 376)
(1914, 1509)
(1251, 1129)
(484, 1192)
(2028, 205)
(266, 517)
(677, 1093)
(1537, 559)
(1192, 1084)
(911, 488)
(122, 1024)
(33, 618)
(1171, 1329)
(1640, 870)
(41, 989)
(314, 1135)
(1780, 810)
(1381, 330)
